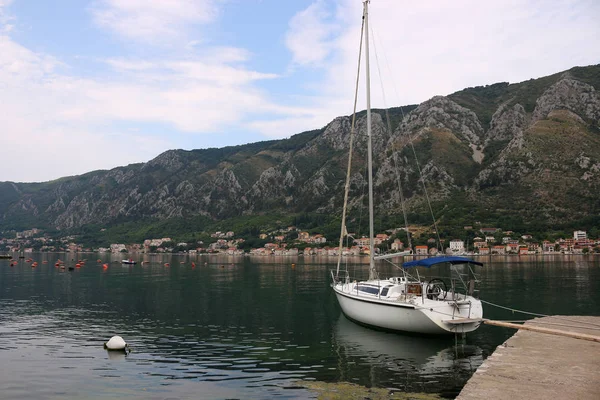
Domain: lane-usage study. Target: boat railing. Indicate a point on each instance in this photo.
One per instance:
(457, 290)
(461, 285)
(411, 288)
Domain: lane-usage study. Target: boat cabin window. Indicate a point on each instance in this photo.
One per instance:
(368, 289)
(385, 290)
(398, 279)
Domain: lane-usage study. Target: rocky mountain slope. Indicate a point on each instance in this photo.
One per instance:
(500, 154)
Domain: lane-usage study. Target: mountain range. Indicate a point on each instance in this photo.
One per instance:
(518, 156)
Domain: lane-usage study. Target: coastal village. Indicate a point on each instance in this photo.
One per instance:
(292, 242)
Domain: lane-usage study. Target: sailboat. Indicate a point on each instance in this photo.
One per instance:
(407, 302)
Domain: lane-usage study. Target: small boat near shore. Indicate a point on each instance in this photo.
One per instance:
(5, 256)
(130, 261)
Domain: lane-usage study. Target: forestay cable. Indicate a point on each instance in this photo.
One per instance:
(344, 231)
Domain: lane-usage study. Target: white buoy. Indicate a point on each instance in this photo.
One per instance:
(115, 343)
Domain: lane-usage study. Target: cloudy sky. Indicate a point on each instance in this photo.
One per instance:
(88, 85)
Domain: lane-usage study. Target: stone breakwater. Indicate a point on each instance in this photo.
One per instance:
(532, 365)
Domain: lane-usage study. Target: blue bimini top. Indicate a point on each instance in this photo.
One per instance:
(429, 262)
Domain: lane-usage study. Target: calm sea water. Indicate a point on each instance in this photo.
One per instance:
(242, 327)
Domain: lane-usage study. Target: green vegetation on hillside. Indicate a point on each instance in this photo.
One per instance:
(546, 182)
(485, 100)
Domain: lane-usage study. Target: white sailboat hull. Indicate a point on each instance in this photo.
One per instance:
(424, 316)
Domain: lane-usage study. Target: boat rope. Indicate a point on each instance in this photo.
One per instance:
(389, 261)
(394, 153)
(539, 329)
(437, 234)
(578, 324)
(410, 141)
(596, 327)
(534, 321)
(344, 231)
(514, 310)
(372, 269)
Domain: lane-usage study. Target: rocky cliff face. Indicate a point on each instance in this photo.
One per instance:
(541, 159)
(566, 109)
(507, 123)
(442, 113)
(569, 94)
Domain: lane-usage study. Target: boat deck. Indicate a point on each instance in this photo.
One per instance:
(533, 365)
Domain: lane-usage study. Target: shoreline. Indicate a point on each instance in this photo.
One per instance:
(420, 256)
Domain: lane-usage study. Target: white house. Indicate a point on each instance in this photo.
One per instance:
(580, 235)
(397, 245)
(421, 250)
(457, 246)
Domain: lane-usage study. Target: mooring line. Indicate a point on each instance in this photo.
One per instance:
(541, 315)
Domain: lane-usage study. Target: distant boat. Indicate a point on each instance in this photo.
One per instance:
(407, 302)
(130, 261)
(5, 256)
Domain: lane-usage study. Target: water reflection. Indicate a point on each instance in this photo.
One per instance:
(246, 329)
(442, 361)
(116, 355)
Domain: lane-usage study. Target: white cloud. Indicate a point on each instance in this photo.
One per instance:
(192, 96)
(286, 127)
(436, 47)
(5, 18)
(153, 20)
(40, 140)
(310, 35)
(57, 122)
(3, 4)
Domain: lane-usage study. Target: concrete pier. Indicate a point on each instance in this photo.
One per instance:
(532, 365)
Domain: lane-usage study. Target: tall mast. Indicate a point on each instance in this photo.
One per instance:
(372, 271)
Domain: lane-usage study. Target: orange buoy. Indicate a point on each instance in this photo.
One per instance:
(166, 264)
(104, 266)
(57, 265)
(34, 264)
(193, 265)
(99, 261)
(77, 265)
